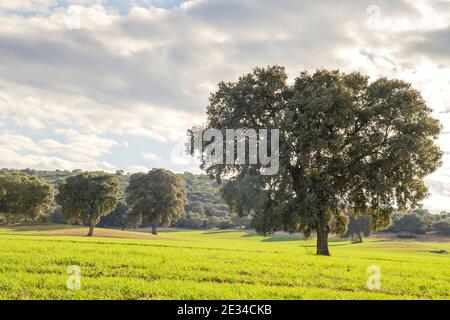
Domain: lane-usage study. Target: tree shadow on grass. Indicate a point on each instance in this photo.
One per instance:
(222, 232)
(165, 230)
(274, 238)
(280, 239)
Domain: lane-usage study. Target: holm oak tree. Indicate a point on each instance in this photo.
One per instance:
(346, 145)
(88, 196)
(24, 197)
(157, 197)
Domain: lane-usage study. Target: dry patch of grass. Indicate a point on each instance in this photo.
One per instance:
(76, 231)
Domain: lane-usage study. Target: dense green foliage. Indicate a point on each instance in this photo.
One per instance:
(56, 177)
(410, 223)
(217, 265)
(119, 218)
(53, 177)
(23, 197)
(442, 226)
(205, 207)
(204, 202)
(203, 199)
(418, 221)
(56, 215)
(345, 145)
(157, 197)
(87, 197)
(358, 227)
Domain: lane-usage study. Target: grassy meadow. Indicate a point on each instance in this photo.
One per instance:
(213, 265)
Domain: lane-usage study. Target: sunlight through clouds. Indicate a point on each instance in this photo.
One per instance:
(82, 77)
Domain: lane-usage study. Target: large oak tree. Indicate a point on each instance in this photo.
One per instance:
(158, 197)
(347, 145)
(88, 196)
(24, 197)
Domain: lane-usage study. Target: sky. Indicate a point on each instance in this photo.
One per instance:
(109, 84)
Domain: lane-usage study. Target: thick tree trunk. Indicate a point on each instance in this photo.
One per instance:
(154, 229)
(322, 239)
(91, 229)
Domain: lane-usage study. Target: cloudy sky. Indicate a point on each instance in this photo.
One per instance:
(109, 84)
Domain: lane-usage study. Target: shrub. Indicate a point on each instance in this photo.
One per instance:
(189, 223)
(410, 223)
(442, 227)
(241, 221)
(213, 222)
(226, 225)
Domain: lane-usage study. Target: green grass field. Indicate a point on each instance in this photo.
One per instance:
(213, 265)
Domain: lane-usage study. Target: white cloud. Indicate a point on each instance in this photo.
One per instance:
(80, 146)
(147, 74)
(17, 142)
(13, 159)
(137, 168)
(28, 122)
(26, 5)
(81, 152)
(151, 157)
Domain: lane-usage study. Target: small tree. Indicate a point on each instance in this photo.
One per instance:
(158, 197)
(24, 197)
(213, 222)
(358, 227)
(88, 196)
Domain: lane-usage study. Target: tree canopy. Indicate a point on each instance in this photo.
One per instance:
(88, 196)
(158, 197)
(119, 217)
(201, 191)
(346, 145)
(442, 226)
(23, 197)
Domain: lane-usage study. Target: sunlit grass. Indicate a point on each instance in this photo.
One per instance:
(213, 265)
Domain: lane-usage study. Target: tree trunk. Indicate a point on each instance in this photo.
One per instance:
(322, 239)
(154, 229)
(360, 237)
(91, 229)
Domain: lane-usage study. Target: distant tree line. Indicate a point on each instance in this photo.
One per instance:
(157, 198)
(420, 221)
(404, 223)
(203, 208)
